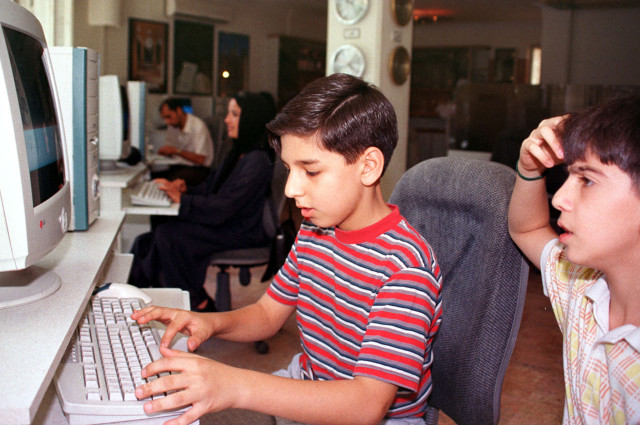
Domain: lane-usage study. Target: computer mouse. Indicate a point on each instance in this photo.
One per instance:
(122, 290)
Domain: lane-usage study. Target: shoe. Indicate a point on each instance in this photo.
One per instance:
(209, 308)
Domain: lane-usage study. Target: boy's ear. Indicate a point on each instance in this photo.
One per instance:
(373, 164)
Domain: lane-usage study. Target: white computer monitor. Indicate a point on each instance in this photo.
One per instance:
(113, 116)
(34, 187)
(137, 98)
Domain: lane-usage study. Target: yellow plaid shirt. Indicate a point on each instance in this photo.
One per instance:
(601, 366)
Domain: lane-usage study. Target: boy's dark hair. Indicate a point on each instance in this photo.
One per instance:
(610, 131)
(346, 114)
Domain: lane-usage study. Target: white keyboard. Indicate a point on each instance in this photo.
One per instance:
(97, 377)
(148, 194)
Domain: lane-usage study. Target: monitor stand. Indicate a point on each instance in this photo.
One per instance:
(26, 286)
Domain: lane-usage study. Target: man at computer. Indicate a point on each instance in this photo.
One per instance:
(188, 142)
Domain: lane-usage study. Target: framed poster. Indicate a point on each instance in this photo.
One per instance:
(148, 53)
(193, 58)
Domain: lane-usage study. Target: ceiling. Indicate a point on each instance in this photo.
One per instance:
(491, 10)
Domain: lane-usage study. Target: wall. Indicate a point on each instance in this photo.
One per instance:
(518, 35)
(260, 20)
(591, 46)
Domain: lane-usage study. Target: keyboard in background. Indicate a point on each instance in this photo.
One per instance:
(147, 193)
(98, 375)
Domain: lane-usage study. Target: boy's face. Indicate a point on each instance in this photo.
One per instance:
(600, 213)
(327, 190)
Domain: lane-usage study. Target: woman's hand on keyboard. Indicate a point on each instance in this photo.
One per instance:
(173, 188)
(195, 325)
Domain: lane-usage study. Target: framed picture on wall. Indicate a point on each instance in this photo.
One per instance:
(148, 53)
(193, 58)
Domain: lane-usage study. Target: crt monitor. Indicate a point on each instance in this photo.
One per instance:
(113, 122)
(34, 189)
(137, 100)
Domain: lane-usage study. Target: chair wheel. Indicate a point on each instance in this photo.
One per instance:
(245, 276)
(262, 347)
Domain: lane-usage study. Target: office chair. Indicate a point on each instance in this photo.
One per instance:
(459, 206)
(245, 258)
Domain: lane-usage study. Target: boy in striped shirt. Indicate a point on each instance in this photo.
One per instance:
(590, 271)
(364, 284)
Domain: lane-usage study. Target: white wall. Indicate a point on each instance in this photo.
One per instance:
(518, 35)
(259, 20)
(591, 46)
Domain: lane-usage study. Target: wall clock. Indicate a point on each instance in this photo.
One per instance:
(400, 65)
(348, 59)
(402, 11)
(351, 11)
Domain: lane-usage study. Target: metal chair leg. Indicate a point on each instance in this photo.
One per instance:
(223, 292)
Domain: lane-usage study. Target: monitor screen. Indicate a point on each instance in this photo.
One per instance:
(37, 110)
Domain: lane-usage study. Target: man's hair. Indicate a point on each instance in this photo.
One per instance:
(345, 114)
(610, 131)
(173, 103)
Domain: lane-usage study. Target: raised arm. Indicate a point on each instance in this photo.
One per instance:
(529, 207)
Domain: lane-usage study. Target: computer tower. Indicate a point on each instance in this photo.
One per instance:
(76, 72)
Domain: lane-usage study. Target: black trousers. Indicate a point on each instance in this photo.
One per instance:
(176, 255)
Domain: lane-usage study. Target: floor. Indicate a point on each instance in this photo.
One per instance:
(533, 387)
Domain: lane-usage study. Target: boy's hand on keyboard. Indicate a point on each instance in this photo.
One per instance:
(203, 383)
(189, 323)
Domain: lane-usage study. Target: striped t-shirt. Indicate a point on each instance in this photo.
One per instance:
(368, 303)
(601, 365)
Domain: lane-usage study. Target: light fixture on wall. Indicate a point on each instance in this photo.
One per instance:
(104, 12)
(431, 16)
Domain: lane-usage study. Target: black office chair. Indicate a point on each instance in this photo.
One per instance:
(245, 258)
(460, 207)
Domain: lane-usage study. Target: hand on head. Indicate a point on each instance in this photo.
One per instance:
(542, 149)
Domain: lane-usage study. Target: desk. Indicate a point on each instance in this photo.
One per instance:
(114, 197)
(113, 185)
(34, 336)
(114, 192)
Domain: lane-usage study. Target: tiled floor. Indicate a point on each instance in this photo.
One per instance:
(533, 388)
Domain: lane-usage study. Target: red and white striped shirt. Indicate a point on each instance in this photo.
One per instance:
(368, 303)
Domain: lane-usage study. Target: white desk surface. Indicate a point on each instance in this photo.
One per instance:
(122, 177)
(129, 208)
(114, 196)
(34, 336)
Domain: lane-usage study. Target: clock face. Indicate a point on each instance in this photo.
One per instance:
(351, 11)
(348, 59)
(402, 11)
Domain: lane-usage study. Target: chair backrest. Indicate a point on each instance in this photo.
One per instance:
(276, 200)
(459, 206)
